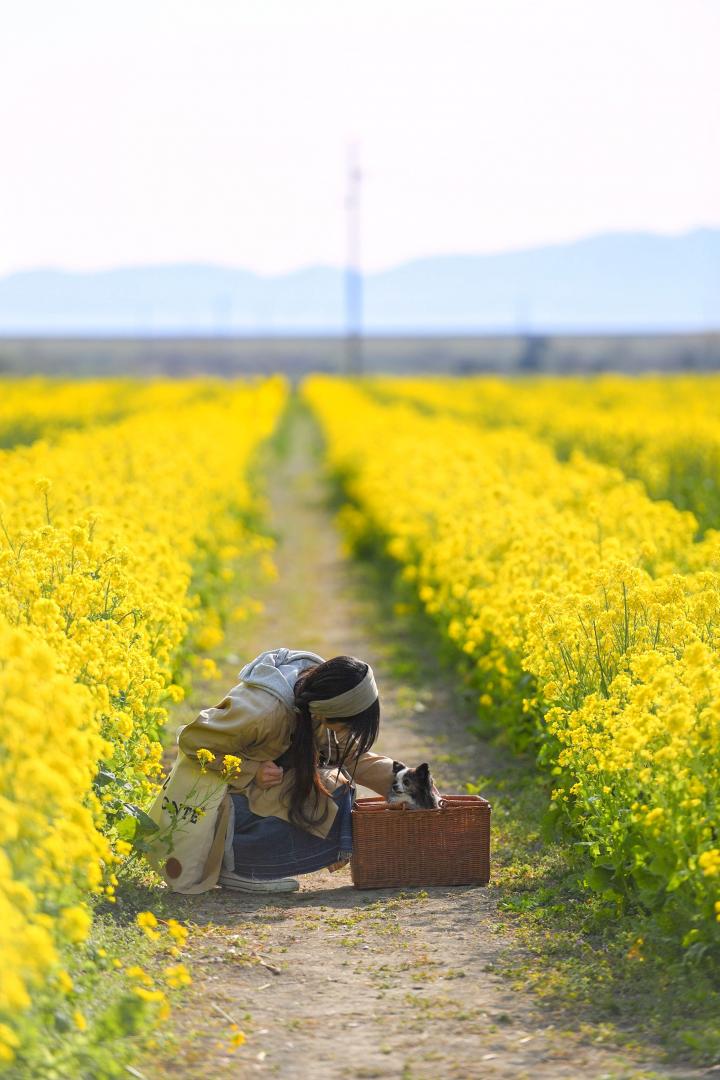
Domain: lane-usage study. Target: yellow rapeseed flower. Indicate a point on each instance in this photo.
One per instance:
(177, 975)
(177, 931)
(205, 757)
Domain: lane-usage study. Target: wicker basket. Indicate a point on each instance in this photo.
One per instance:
(448, 846)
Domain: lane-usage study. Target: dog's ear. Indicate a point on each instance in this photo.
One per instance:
(423, 771)
(397, 766)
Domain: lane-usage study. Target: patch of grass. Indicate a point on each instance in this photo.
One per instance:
(581, 953)
(440, 1007)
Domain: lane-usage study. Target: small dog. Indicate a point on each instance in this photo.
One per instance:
(413, 787)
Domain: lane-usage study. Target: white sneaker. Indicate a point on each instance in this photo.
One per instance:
(246, 884)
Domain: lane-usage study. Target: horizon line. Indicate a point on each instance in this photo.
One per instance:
(341, 268)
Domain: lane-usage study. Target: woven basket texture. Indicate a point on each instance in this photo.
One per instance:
(394, 848)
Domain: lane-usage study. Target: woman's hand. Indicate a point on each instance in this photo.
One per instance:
(268, 775)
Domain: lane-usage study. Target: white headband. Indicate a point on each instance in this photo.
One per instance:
(351, 702)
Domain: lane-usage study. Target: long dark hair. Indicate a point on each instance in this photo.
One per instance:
(324, 681)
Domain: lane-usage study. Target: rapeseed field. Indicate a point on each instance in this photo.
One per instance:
(120, 531)
(586, 611)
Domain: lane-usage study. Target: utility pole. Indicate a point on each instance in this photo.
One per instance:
(353, 274)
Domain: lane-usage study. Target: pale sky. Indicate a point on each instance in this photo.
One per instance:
(152, 131)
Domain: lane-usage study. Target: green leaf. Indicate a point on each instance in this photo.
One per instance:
(104, 777)
(647, 881)
(600, 879)
(140, 845)
(126, 828)
(144, 823)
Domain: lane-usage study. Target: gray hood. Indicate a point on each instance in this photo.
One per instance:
(277, 671)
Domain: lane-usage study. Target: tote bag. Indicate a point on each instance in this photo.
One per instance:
(192, 812)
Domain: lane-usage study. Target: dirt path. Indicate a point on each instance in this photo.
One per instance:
(332, 982)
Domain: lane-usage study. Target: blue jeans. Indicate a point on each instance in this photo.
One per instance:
(268, 847)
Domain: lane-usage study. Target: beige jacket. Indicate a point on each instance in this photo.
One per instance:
(256, 726)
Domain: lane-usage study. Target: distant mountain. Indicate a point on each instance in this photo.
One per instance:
(613, 282)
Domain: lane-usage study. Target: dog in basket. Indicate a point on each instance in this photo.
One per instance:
(413, 788)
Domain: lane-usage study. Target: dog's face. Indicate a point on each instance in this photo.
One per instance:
(413, 787)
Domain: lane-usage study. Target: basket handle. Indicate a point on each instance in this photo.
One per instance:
(402, 808)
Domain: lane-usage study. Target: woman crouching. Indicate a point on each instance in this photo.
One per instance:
(302, 727)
